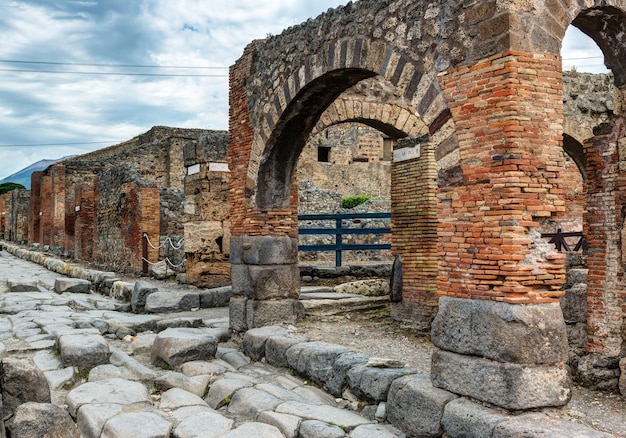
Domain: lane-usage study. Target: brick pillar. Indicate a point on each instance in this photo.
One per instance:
(34, 228)
(57, 178)
(46, 212)
(500, 330)
(85, 221)
(263, 248)
(149, 222)
(605, 229)
(414, 229)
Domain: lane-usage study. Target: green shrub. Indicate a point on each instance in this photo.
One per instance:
(9, 186)
(353, 201)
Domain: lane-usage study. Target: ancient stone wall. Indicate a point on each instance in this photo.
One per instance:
(206, 220)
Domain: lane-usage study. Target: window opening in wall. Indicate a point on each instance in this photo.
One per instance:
(323, 154)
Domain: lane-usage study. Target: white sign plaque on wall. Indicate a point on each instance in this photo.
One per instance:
(218, 167)
(406, 154)
(192, 170)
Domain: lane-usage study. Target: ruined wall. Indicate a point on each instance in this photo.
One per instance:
(206, 220)
(127, 207)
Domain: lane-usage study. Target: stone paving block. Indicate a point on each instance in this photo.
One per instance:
(221, 392)
(343, 363)
(233, 357)
(315, 359)
(330, 414)
(196, 385)
(218, 297)
(167, 302)
(509, 385)
(254, 340)
(462, 417)
(141, 290)
(372, 383)
(59, 378)
(142, 343)
(416, 407)
(249, 403)
(213, 368)
(114, 391)
(287, 424)
(541, 425)
(276, 349)
(22, 382)
(41, 420)
(22, 286)
(137, 425)
(83, 350)
(92, 418)
(376, 431)
(279, 392)
(175, 346)
(320, 429)
(177, 398)
(256, 430)
(74, 285)
(204, 424)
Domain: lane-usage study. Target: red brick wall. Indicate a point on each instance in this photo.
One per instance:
(508, 115)
(244, 218)
(5, 225)
(414, 238)
(604, 227)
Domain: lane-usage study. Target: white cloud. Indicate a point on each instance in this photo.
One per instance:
(40, 108)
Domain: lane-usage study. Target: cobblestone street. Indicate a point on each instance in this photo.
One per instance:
(114, 373)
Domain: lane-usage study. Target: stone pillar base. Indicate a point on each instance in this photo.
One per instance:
(246, 314)
(508, 385)
(511, 355)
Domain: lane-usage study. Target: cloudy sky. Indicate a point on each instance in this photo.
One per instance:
(102, 60)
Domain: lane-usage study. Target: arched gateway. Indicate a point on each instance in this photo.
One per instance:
(484, 81)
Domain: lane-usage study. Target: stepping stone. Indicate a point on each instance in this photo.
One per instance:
(140, 292)
(114, 391)
(22, 286)
(167, 302)
(175, 346)
(74, 285)
(218, 297)
(83, 350)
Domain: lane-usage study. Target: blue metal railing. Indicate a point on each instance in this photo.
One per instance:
(340, 231)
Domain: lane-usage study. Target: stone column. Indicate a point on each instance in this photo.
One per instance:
(266, 281)
(500, 330)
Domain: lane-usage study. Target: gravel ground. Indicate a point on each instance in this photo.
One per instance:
(378, 335)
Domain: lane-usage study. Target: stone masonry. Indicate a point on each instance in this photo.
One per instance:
(484, 81)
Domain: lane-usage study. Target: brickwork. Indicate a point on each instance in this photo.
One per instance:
(34, 225)
(508, 183)
(605, 229)
(414, 232)
(85, 216)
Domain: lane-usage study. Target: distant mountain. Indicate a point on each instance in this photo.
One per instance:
(23, 176)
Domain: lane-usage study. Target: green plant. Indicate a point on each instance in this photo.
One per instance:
(226, 401)
(9, 186)
(353, 201)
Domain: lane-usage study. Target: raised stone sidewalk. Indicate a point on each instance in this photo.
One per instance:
(77, 363)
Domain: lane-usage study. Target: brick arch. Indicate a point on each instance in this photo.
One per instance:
(574, 149)
(300, 100)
